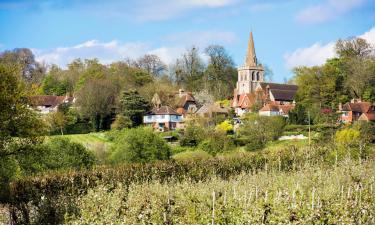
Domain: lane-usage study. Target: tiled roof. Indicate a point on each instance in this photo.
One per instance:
(187, 97)
(212, 108)
(48, 100)
(279, 86)
(362, 107)
(370, 116)
(283, 95)
(163, 110)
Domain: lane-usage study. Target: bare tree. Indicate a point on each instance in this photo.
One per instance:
(152, 64)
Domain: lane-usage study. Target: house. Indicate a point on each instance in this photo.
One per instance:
(275, 109)
(163, 118)
(212, 110)
(251, 88)
(186, 103)
(48, 103)
(357, 110)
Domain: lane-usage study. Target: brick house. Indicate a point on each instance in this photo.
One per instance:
(357, 110)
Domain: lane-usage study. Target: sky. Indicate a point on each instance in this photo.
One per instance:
(287, 33)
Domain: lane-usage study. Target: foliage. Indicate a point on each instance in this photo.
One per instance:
(193, 135)
(192, 155)
(121, 122)
(59, 193)
(20, 129)
(258, 130)
(309, 196)
(134, 106)
(225, 126)
(139, 145)
(216, 142)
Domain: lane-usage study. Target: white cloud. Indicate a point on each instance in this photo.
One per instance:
(328, 10)
(318, 53)
(108, 52)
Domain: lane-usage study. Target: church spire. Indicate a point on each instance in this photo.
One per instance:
(251, 58)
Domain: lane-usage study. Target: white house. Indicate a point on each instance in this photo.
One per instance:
(163, 118)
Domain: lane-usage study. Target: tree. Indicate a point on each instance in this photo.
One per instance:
(139, 145)
(55, 82)
(31, 70)
(258, 130)
(20, 129)
(152, 64)
(134, 106)
(353, 47)
(188, 70)
(121, 122)
(193, 135)
(220, 75)
(96, 100)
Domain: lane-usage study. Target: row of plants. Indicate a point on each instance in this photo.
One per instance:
(53, 196)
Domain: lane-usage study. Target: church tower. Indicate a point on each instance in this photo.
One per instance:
(251, 73)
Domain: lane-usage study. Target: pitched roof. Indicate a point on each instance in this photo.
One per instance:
(251, 58)
(242, 103)
(48, 100)
(362, 107)
(283, 95)
(187, 97)
(163, 110)
(212, 108)
(369, 116)
(278, 86)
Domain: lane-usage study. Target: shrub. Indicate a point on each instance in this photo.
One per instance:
(193, 135)
(260, 129)
(192, 156)
(217, 142)
(225, 126)
(139, 145)
(121, 122)
(61, 153)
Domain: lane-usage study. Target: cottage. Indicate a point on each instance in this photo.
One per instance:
(48, 103)
(357, 110)
(163, 118)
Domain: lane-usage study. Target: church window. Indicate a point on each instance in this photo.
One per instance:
(252, 76)
(257, 76)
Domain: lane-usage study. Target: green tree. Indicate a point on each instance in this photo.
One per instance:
(134, 106)
(193, 135)
(20, 129)
(139, 145)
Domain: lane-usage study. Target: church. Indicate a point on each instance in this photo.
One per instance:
(251, 90)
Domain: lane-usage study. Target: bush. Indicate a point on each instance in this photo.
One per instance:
(192, 156)
(139, 145)
(121, 122)
(260, 129)
(193, 135)
(225, 126)
(61, 153)
(217, 142)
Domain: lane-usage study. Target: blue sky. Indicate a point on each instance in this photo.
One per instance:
(287, 33)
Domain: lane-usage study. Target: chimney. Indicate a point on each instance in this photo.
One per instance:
(181, 92)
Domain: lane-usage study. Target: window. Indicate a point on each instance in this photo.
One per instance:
(257, 76)
(252, 76)
(162, 116)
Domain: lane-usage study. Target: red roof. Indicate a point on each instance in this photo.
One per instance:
(273, 107)
(362, 107)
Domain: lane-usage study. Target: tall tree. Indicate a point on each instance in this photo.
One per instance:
(20, 129)
(134, 106)
(96, 100)
(152, 64)
(220, 75)
(188, 70)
